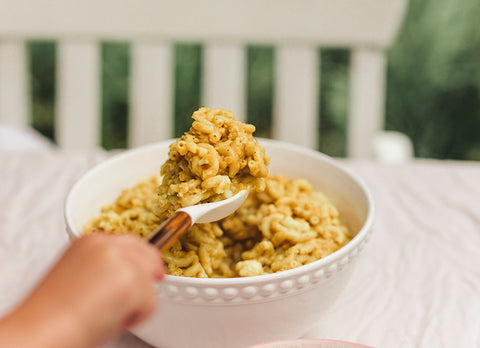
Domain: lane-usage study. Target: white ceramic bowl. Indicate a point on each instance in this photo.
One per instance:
(238, 312)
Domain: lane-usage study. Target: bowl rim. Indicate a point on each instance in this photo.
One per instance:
(309, 340)
(339, 254)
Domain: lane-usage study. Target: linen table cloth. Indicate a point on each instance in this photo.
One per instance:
(416, 283)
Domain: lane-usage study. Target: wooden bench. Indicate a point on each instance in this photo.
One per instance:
(295, 28)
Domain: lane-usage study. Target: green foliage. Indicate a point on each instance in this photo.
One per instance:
(434, 79)
(188, 60)
(260, 75)
(334, 73)
(42, 84)
(115, 92)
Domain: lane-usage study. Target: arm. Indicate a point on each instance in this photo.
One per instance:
(101, 285)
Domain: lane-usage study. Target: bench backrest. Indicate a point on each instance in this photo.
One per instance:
(295, 28)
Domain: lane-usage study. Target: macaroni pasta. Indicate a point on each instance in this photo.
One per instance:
(217, 158)
(283, 224)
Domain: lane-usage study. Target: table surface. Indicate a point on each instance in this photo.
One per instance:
(416, 284)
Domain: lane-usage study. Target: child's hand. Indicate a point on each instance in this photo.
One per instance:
(101, 284)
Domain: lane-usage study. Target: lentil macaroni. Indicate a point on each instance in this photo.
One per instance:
(284, 223)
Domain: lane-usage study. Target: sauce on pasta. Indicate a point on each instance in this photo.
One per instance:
(283, 224)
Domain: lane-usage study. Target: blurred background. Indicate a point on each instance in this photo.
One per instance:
(433, 85)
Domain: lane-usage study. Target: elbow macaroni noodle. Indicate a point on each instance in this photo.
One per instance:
(217, 158)
(283, 224)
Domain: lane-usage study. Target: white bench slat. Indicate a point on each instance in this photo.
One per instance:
(367, 88)
(14, 87)
(295, 117)
(224, 78)
(78, 123)
(151, 93)
(317, 22)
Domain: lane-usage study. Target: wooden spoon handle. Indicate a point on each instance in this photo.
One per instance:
(170, 230)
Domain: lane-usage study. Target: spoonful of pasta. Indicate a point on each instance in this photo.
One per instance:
(172, 228)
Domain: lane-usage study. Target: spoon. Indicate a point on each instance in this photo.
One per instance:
(172, 228)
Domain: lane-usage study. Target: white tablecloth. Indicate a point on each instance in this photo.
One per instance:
(417, 283)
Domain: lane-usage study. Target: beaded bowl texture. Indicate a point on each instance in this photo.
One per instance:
(238, 312)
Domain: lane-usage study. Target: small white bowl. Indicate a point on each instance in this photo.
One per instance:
(310, 343)
(238, 312)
